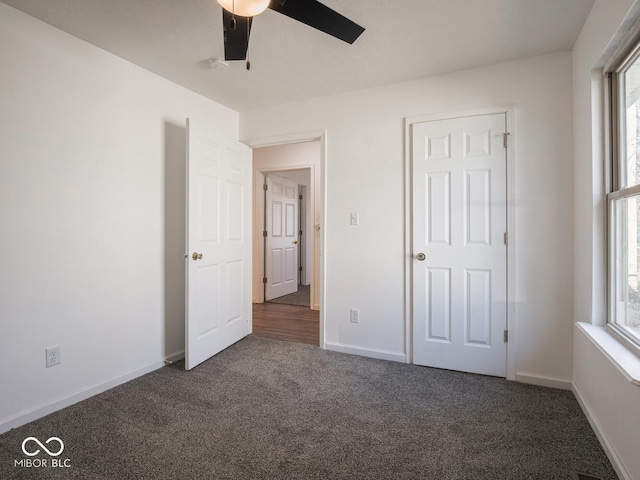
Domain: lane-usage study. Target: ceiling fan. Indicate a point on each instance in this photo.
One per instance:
(238, 16)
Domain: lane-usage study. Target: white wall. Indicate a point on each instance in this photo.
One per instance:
(305, 155)
(91, 213)
(365, 148)
(609, 399)
(611, 402)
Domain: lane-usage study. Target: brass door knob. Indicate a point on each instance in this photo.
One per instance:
(421, 256)
(295, 242)
(196, 256)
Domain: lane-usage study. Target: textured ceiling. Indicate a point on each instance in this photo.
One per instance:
(404, 40)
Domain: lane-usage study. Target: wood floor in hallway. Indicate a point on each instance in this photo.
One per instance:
(286, 322)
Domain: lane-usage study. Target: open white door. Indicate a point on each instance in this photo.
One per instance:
(218, 280)
(282, 237)
(459, 227)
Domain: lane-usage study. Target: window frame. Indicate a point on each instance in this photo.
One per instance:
(615, 140)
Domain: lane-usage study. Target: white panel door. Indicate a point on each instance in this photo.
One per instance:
(218, 279)
(459, 223)
(282, 237)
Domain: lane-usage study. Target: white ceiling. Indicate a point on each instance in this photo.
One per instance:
(404, 40)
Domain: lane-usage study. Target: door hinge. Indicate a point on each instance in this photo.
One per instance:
(505, 137)
(300, 232)
(506, 238)
(299, 269)
(265, 187)
(299, 197)
(264, 233)
(506, 336)
(264, 280)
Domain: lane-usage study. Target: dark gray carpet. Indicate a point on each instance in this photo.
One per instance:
(302, 297)
(270, 409)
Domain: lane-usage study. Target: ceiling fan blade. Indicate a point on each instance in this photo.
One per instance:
(319, 16)
(236, 41)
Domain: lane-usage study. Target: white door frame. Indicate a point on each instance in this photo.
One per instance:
(305, 222)
(284, 139)
(511, 225)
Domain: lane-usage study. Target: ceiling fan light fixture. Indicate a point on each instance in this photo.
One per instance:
(245, 8)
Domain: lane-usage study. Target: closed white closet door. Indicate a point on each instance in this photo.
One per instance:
(459, 273)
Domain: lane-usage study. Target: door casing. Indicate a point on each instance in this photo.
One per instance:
(511, 225)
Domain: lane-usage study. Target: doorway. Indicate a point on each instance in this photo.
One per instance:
(287, 236)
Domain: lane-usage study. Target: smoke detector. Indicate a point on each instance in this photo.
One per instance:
(218, 63)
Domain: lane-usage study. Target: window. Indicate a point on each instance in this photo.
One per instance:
(624, 199)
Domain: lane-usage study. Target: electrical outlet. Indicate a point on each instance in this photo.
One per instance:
(53, 356)
(354, 315)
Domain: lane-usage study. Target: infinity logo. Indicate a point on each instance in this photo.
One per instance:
(34, 439)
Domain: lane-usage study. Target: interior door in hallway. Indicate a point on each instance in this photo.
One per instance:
(459, 272)
(282, 237)
(218, 295)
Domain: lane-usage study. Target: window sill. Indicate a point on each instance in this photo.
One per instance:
(625, 361)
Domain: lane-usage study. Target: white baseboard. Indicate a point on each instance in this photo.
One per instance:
(174, 357)
(543, 381)
(46, 408)
(363, 352)
(602, 436)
